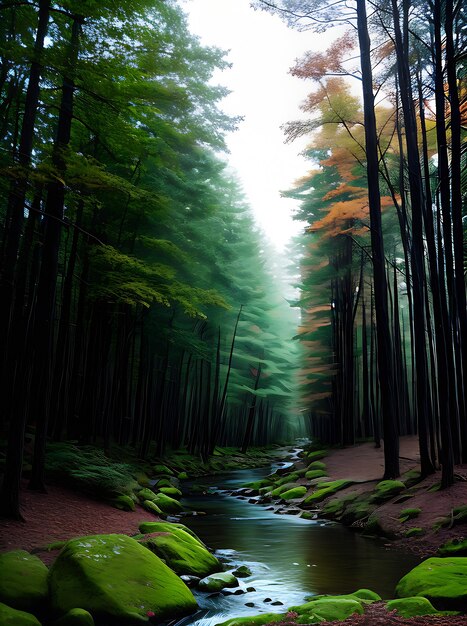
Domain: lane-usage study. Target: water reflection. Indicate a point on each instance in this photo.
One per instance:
(290, 558)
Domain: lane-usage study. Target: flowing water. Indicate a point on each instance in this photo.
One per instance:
(290, 558)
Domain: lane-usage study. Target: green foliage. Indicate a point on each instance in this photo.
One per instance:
(89, 470)
(407, 514)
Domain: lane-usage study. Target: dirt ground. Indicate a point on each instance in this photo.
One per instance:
(366, 463)
(63, 514)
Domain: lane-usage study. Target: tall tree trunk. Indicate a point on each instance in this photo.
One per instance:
(385, 366)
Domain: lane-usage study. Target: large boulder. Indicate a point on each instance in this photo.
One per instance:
(443, 581)
(183, 552)
(117, 580)
(328, 609)
(23, 581)
(13, 617)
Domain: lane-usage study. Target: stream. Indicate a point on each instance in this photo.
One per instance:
(290, 558)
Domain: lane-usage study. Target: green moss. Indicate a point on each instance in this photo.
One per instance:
(256, 620)
(183, 553)
(13, 617)
(453, 547)
(334, 508)
(442, 580)
(416, 531)
(316, 455)
(116, 579)
(166, 527)
(288, 478)
(410, 607)
(328, 608)
(373, 526)
(216, 582)
(307, 515)
(387, 489)
(258, 484)
(152, 507)
(88, 469)
(163, 482)
(123, 502)
(182, 476)
(412, 477)
(173, 492)
(75, 617)
(367, 595)
(147, 494)
(317, 465)
(358, 510)
(292, 494)
(316, 473)
(407, 514)
(168, 504)
(162, 469)
(23, 581)
(326, 489)
(275, 493)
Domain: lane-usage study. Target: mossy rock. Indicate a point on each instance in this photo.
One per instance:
(307, 515)
(124, 503)
(13, 617)
(358, 510)
(316, 465)
(416, 531)
(23, 581)
(116, 580)
(453, 547)
(152, 507)
(75, 617)
(146, 494)
(164, 482)
(275, 493)
(287, 479)
(411, 478)
(327, 609)
(173, 492)
(294, 494)
(316, 455)
(334, 508)
(183, 553)
(387, 489)
(364, 596)
(258, 484)
(168, 504)
(411, 607)
(216, 582)
(326, 489)
(162, 469)
(316, 473)
(182, 476)
(443, 581)
(256, 620)
(407, 514)
(166, 527)
(242, 572)
(142, 479)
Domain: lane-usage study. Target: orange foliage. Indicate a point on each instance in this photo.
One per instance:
(316, 65)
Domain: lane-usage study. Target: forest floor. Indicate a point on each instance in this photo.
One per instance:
(364, 464)
(63, 513)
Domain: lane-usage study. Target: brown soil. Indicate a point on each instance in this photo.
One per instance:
(63, 514)
(365, 463)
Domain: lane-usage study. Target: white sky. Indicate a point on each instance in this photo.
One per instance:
(262, 49)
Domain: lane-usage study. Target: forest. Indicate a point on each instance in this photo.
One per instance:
(151, 334)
